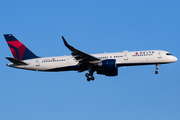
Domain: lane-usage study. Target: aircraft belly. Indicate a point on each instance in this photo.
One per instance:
(65, 68)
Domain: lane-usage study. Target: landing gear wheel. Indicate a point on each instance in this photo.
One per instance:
(87, 75)
(88, 79)
(92, 78)
(156, 72)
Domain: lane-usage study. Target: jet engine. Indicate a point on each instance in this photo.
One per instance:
(109, 67)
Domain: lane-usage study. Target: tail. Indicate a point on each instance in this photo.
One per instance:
(19, 50)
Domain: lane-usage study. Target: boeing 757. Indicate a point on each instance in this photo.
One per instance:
(105, 64)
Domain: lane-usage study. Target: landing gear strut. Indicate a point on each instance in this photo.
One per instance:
(156, 72)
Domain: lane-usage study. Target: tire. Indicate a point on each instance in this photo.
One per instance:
(88, 79)
(87, 75)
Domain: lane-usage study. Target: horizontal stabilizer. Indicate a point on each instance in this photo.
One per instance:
(15, 61)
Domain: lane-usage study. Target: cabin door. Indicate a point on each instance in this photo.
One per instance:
(37, 63)
(159, 55)
(125, 56)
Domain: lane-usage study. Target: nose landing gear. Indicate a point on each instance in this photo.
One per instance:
(156, 72)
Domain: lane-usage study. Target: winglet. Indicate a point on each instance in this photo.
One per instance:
(65, 42)
(67, 45)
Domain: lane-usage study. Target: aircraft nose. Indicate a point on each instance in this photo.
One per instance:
(175, 59)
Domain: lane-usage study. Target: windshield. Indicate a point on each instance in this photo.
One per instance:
(168, 54)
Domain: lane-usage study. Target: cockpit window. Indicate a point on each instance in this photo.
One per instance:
(168, 54)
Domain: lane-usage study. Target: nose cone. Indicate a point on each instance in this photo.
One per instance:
(175, 59)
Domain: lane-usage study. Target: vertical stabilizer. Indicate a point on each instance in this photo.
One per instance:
(19, 50)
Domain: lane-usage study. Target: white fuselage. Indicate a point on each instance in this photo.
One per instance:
(66, 63)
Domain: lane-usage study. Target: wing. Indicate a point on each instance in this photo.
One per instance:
(80, 56)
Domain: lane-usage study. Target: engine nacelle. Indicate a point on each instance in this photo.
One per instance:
(108, 72)
(111, 63)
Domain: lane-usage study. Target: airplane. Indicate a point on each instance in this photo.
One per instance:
(105, 64)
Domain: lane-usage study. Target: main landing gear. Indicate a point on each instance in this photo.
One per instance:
(156, 72)
(89, 76)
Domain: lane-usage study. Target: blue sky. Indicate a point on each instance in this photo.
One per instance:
(92, 26)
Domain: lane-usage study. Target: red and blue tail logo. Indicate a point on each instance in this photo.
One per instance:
(19, 50)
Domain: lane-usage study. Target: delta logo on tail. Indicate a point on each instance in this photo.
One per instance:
(19, 50)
